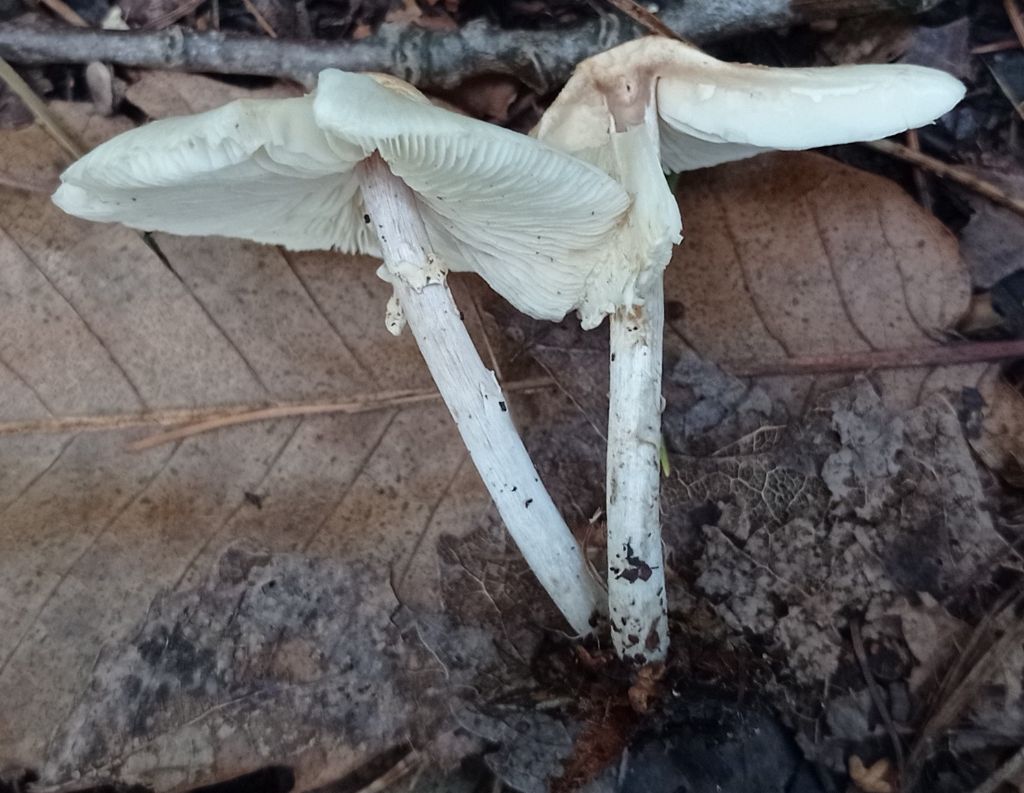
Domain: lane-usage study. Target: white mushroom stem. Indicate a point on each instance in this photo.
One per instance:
(475, 400)
(636, 570)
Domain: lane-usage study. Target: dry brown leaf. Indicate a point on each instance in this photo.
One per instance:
(99, 546)
(488, 97)
(794, 254)
(30, 161)
(163, 94)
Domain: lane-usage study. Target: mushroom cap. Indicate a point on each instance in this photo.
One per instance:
(711, 111)
(518, 212)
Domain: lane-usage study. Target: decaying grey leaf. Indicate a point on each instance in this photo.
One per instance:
(532, 745)
(215, 676)
(903, 513)
(993, 240)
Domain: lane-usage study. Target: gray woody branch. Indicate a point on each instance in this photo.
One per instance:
(429, 59)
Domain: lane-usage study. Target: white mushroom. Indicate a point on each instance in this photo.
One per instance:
(367, 158)
(655, 104)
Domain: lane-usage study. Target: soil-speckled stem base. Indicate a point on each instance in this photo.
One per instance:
(636, 570)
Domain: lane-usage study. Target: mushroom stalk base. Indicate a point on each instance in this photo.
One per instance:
(476, 402)
(636, 570)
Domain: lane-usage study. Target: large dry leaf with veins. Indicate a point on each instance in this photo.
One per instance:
(109, 558)
(791, 255)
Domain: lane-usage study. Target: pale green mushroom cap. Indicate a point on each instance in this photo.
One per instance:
(519, 213)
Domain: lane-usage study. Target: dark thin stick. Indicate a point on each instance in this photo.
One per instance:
(954, 173)
(1016, 19)
(876, 695)
(1010, 771)
(174, 15)
(429, 59)
(910, 358)
(996, 46)
(972, 664)
(644, 18)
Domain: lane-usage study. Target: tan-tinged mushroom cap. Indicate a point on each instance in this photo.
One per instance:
(284, 172)
(711, 111)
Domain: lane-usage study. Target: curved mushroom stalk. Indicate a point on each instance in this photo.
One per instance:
(474, 398)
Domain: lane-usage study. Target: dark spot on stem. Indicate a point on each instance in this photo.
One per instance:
(528, 502)
(638, 568)
(366, 219)
(504, 408)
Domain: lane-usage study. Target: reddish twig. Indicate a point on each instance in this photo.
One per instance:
(996, 46)
(909, 358)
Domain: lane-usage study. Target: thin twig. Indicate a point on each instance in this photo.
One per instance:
(174, 15)
(363, 405)
(399, 771)
(1016, 20)
(190, 418)
(876, 695)
(924, 192)
(644, 18)
(39, 109)
(996, 46)
(959, 175)
(225, 420)
(909, 358)
(541, 59)
(1009, 772)
(261, 20)
(972, 665)
(65, 12)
